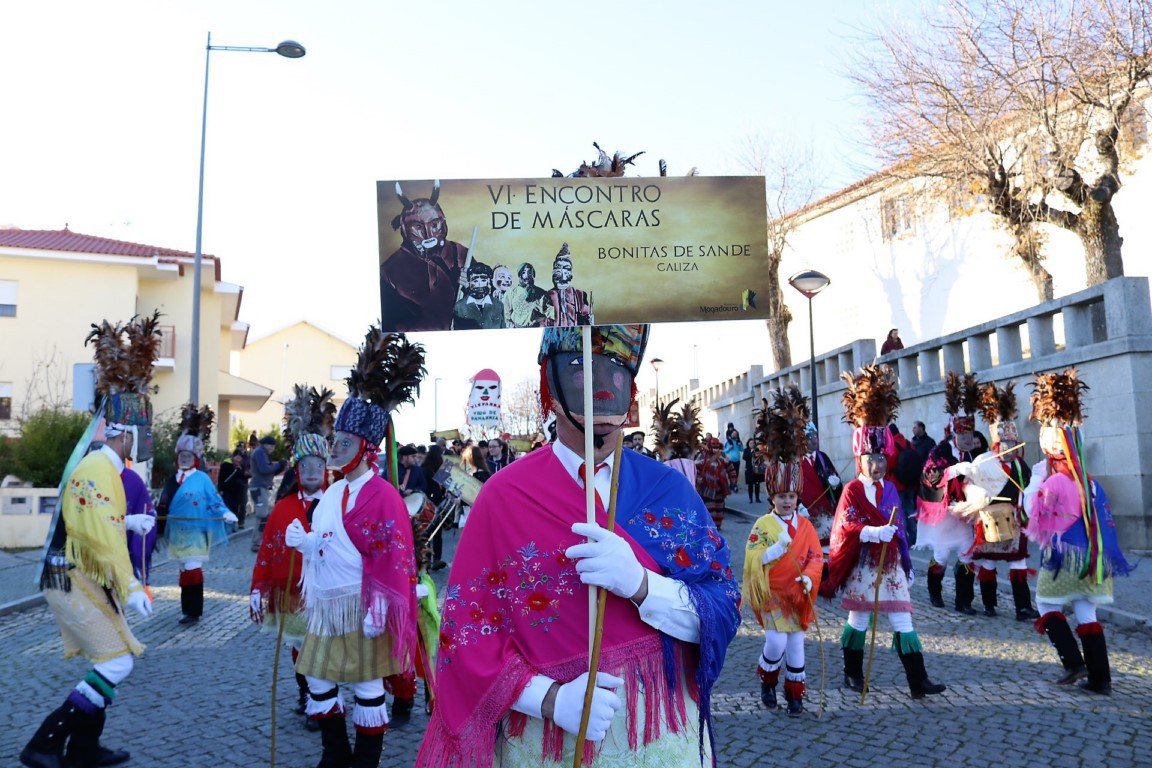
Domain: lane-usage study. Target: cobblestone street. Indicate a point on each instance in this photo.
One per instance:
(200, 695)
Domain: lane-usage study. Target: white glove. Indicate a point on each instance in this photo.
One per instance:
(140, 524)
(805, 582)
(422, 591)
(607, 561)
(371, 628)
(874, 534)
(569, 705)
(833, 481)
(774, 552)
(911, 577)
(255, 612)
(140, 602)
(803, 511)
(295, 535)
(230, 517)
(960, 468)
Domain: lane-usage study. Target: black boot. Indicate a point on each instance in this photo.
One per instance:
(1096, 659)
(768, 682)
(1022, 596)
(918, 682)
(334, 737)
(84, 749)
(401, 713)
(854, 669)
(192, 603)
(965, 589)
(46, 749)
(936, 585)
(988, 591)
(794, 696)
(302, 701)
(368, 749)
(1060, 635)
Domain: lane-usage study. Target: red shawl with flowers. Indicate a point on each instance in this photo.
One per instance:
(855, 511)
(270, 573)
(515, 606)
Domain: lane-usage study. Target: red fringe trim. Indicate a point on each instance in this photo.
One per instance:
(1095, 628)
(402, 686)
(985, 575)
(771, 678)
(1038, 625)
(372, 730)
(192, 577)
(794, 689)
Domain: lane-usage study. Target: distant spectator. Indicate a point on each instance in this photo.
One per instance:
(497, 455)
(905, 473)
(921, 441)
(264, 471)
(892, 343)
(421, 454)
(409, 475)
(233, 485)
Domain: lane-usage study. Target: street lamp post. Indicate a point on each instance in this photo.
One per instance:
(810, 283)
(289, 49)
(656, 363)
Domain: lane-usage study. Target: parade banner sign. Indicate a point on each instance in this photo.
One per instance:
(484, 400)
(514, 253)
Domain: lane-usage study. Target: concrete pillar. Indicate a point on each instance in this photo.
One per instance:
(1077, 326)
(980, 352)
(929, 360)
(908, 371)
(954, 357)
(1008, 345)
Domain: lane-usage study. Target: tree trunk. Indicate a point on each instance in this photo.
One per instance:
(1029, 248)
(1099, 232)
(778, 316)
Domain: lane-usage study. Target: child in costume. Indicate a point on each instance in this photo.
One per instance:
(783, 558)
(868, 517)
(1070, 520)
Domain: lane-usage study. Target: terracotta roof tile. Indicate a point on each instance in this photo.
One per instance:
(67, 240)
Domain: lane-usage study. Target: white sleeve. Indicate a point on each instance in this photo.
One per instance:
(531, 699)
(669, 609)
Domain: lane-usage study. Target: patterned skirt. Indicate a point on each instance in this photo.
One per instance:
(89, 624)
(860, 590)
(351, 658)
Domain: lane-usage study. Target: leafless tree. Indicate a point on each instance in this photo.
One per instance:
(790, 175)
(47, 387)
(520, 409)
(1024, 103)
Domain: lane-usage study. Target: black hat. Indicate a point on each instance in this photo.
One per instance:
(267, 440)
(406, 450)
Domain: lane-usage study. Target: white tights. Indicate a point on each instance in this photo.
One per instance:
(1085, 610)
(899, 622)
(778, 645)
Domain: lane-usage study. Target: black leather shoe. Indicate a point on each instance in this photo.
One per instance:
(106, 757)
(189, 620)
(967, 610)
(1027, 614)
(795, 708)
(937, 602)
(855, 683)
(928, 688)
(1072, 675)
(989, 611)
(1103, 689)
(768, 695)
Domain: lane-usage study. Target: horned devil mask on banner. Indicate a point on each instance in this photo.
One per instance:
(484, 399)
(422, 222)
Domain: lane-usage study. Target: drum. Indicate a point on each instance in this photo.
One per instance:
(999, 522)
(415, 502)
(458, 482)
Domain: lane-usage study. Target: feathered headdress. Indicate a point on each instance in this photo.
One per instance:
(871, 402)
(1057, 402)
(677, 435)
(998, 407)
(387, 374)
(604, 166)
(125, 355)
(962, 394)
(195, 428)
(308, 419)
(785, 440)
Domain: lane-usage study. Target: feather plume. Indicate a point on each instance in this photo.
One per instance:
(871, 399)
(197, 421)
(388, 370)
(113, 369)
(785, 421)
(1057, 398)
(998, 403)
(144, 337)
(309, 411)
(677, 435)
(961, 394)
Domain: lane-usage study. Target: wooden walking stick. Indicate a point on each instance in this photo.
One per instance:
(876, 609)
(276, 659)
(601, 602)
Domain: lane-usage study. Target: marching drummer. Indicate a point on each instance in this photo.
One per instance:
(411, 477)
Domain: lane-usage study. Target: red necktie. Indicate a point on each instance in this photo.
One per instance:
(879, 493)
(344, 501)
(584, 480)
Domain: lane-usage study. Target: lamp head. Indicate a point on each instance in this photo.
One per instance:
(290, 49)
(810, 282)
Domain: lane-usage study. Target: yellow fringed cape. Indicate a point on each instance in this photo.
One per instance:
(93, 511)
(773, 587)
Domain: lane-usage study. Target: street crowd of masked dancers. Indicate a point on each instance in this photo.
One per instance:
(340, 573)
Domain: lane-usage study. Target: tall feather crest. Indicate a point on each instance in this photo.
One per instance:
(1057, 398)
(785, 421)
(961, 394)
(197, 421)
(388, 370)
(998, 403)
(113, 369)
(144, 339)
(871, 399)
(677, 435)
(309, 411)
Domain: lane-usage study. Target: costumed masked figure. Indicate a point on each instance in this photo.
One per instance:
(998, 407)
(195, 515)
(513, 663)
(478, 308)
(821, 487)
(712, 479)
(1070, 520)
(868, 516)
(783, 558)
(359, 569)
(275, 592)
(677, 436)
(566, 305)
(420, 281)
(525, 303)
(939, 530)
(88, 578)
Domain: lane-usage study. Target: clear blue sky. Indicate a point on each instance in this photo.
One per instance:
(102, 130)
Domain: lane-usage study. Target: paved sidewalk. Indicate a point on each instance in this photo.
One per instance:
(1133, 593)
